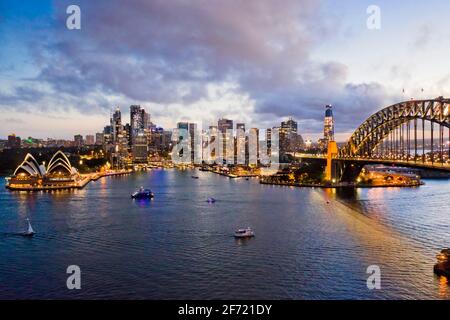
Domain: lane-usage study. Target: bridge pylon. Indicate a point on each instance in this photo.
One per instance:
(331, 153)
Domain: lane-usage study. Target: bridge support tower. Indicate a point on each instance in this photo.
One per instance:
(330, 170)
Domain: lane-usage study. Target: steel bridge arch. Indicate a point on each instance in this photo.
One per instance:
(372, 132)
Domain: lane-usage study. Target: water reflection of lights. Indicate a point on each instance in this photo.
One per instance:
(143, 202)
(375, 193)
(242, 241)
(443, 287)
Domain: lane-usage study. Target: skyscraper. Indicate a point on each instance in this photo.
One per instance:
(289, 126)
(182, 128)
(241, 146)
(90, 140)
(138, 121)
(78, 140)
(116, 125)
(193, 137)
(328, 125)
(182, 132)
(107, 138)
(99, 138)
(183, 125)
(140, 148)
(269, 141)
(290, 140)
(120, 145)
(253, 147)
(240, 126)
(14, 141)
(224, 125)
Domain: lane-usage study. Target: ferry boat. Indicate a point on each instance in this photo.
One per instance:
(244, 233)
(143, 194)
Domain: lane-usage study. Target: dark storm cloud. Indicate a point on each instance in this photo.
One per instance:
(169, 51)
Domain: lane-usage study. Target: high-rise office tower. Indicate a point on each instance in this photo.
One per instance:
(116, 125)
(183, 125)
(328, 124)
(269, 141)
(240, 146)
(14, 141)
(78, 140)
(120, 144)
(99, 138)
(107, 138)
(194, 139)
(253, 147)
(289, 126)
(290, 140)
(182, 129)
(240, 126)
(181, 132)
(139, 149)
(138, 122)
(224, 125)
(90, 140)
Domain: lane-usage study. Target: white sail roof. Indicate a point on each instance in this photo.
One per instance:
(30, 165)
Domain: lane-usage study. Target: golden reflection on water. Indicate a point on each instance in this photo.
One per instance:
(400, 259)
(443, 287)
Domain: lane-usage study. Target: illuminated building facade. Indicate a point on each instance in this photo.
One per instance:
(328, 125)
(58, 174)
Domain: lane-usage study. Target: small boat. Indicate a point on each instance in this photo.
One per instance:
(143, 194)
(247, 179)
(194, 177)
(211, 200)
(30, 231)
(244, 233)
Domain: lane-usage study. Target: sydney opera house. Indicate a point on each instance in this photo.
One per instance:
(58, 174)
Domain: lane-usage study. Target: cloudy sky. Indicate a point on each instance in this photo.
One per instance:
(254, 61)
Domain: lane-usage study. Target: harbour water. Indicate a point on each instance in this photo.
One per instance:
(309, 244)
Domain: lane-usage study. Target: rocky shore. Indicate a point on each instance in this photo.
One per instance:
(442, 267)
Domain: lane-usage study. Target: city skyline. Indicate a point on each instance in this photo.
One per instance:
(263, 76)
(146, 123)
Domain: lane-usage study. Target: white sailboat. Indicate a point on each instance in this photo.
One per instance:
(30, 231)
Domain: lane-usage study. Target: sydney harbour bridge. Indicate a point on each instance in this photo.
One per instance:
(413, 133)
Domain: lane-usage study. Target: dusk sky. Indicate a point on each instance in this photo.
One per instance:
(252, 61)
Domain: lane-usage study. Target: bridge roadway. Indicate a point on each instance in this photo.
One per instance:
(411, 163)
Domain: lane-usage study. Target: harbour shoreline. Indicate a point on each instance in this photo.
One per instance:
(337, 186)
